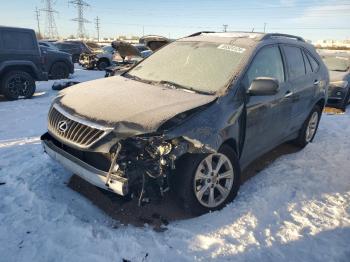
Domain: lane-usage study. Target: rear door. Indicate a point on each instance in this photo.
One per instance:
(267, 116)
(300, 79)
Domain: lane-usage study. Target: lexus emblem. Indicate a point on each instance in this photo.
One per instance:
(62, 126)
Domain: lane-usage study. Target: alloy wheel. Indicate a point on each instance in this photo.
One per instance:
(213, 180)
(311, 127)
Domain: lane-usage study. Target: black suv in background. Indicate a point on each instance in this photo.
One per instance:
(58, 64)
(191, 116)
(21, 62)
(76, 48)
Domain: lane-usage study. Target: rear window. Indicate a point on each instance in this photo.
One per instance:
(13, 40)
(295, 62)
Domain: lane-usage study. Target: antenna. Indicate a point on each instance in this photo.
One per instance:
(97, 22)
(50, 24)
(80, 5)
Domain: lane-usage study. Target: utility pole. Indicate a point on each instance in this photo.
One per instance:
(80, 5)
(37, 15)
(265, 27)
(97, 22)
(225, 28)
(50, 24)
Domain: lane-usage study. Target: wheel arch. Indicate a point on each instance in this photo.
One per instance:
(25, 68)
(321, 103)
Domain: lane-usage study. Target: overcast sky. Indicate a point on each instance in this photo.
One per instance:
(175, 18)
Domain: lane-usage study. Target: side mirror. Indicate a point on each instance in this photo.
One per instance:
(263, 86)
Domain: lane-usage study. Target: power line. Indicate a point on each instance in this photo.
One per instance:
(80, 5)
(97, 22)
(50, 24)
(37, 16)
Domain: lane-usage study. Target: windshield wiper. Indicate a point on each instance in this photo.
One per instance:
(178, 86)
(136, 78)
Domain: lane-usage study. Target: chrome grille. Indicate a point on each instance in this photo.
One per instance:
(75, 132)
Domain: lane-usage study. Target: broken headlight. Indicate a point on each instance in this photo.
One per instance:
(158, 148)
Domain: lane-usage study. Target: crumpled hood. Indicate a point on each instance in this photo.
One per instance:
(127, 104)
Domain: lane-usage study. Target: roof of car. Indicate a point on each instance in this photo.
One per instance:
(16, 28)
(244, 38)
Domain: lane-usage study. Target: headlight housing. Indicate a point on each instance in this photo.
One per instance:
(341, 84)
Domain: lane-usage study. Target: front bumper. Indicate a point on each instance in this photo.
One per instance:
(117, 184)
(336, 96)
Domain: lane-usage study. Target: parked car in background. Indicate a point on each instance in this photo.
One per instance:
(21, 63)
(339, 87)
(48, 44)
(59, 65)
(100, 59)
(125, 56)
(154, 42)
(191, 116)
(76, 48)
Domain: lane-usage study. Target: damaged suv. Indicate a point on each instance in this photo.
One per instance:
(190, 117)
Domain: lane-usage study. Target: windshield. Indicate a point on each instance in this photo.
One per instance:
(200, 66)
(337, 63)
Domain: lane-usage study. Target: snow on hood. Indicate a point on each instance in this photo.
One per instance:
(118, 100)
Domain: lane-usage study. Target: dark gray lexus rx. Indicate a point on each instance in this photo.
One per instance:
(190, 117)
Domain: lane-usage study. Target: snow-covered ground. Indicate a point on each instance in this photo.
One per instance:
(297, 209)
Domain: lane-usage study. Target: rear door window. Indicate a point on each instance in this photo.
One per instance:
(267, 63)
(313, 62)
(307, 64)
(13, 40)
(295, 62)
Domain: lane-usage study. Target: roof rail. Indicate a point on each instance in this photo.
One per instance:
(276, 35)
(201, 32)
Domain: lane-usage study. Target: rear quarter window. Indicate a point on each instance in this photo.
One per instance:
(12, 40)
(313, 62)
(295, 62)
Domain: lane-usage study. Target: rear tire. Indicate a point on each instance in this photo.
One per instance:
(59, 70)
(194, 192)
(17, 83)
(309, 128)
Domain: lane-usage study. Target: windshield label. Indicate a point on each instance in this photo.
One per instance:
(231, 48)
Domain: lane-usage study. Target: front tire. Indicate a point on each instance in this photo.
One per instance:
(17, 83)
(207, 182)
(309, 128)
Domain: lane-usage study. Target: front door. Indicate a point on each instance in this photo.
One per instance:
(268, 117)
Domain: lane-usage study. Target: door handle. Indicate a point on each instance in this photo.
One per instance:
(288, 94)
(316, 83)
